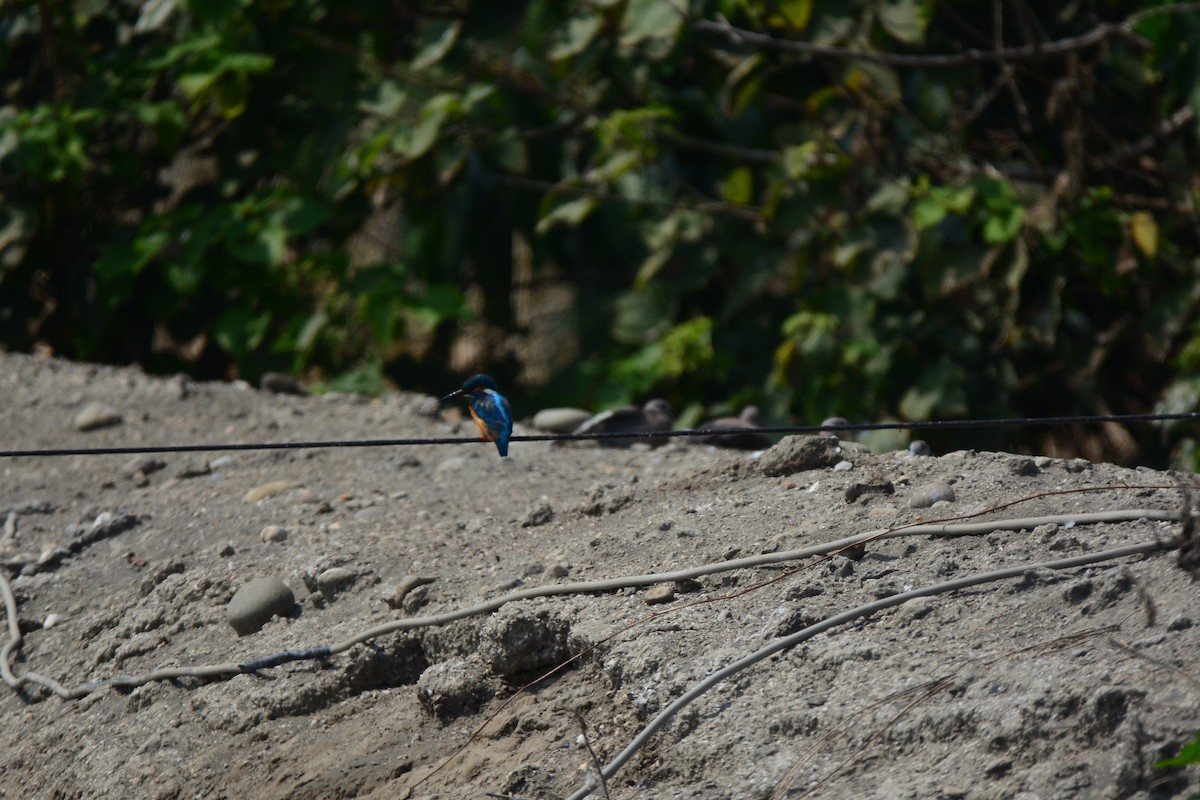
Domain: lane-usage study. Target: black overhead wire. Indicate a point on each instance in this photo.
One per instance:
(946, 424)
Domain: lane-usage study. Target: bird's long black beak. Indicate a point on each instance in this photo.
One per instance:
(452, 395)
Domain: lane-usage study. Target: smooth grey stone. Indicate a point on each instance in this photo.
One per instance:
(929, 494)
(919, 448)
(333, 580)
(253, 605)
(273, 533)
(97, 415)
(663, 593)
(831, 423)
(560, 420)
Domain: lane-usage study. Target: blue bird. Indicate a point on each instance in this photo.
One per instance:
(491, 410)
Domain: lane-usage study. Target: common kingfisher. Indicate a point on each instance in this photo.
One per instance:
(491, 410)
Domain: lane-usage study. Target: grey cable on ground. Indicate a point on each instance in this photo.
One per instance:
(788, 642)
(578, 587)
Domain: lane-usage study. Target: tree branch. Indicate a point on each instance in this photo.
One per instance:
(1032, 52)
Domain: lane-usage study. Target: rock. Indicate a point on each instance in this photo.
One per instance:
(931, 493)
(800, 453)
(226, 550)
(557, 571)
(253, 605)
(143, 465)
(266, 490)
(281, 383)
(192, 468)
(273, 533)
(453, 687)
(663, 593)
(540, 514)
(1180, 623)
(516, 641)
(333, 580)
(654, 417)
(559, 420)
(1022, 466)
(843, 466)
(919, 448)
(97, 415)
(1078, 590)
(857, 490)
(744, 433)
(830, 426)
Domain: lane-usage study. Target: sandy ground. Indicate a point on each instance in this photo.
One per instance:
(1062, 683)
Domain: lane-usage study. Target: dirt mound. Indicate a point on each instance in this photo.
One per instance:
(429, 583)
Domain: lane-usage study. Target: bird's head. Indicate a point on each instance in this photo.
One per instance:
(472, 385)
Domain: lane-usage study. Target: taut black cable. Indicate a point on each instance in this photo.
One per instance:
(569, 437)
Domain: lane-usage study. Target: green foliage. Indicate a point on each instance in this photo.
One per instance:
(1190, 754)
(599, 201)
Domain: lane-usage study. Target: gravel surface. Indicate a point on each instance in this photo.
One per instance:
(1060, 683)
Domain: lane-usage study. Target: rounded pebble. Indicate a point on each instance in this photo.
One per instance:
(97, 415)
(843, 466)
(273, 533)
(560, 420)
(253, 605)
(833, 423)
(932, 493)
(52, 620)
(663, 593)
(556, 571)
(919, 448)
(332, 580)
(266, 490)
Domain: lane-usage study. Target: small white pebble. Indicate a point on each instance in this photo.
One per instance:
(843, 466)
(52, 620)
(814, 486)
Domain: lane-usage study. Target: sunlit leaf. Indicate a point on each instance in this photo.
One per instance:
(1003, 224)
(738, 186)
(1145, 233)
(792, 14)
(569, 213)
(576, 35)
(928, 212)
(652, 24)
(905, 20)
(1190, 754)
(436, 41)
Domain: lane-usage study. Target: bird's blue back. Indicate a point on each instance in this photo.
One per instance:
(493, 415)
